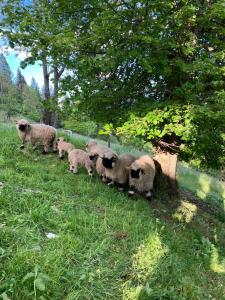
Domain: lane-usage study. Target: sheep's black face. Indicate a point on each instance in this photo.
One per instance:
(92, 156)
(108, 163)
(22, 127)
(136, 173)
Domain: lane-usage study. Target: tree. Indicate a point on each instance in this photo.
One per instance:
(20, 84)
(155, 70)
(34, 84)
(5, 71)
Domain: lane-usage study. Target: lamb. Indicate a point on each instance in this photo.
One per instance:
(35, 133)
(79, 157)
(96, 151)
(116, 167)
(100, 169)
(141, 176)
(63, 147)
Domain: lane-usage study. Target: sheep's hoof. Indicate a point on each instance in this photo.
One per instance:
(61, 157)
(130, 193)
(22, 147)
(148, 196)
(44, 152)
(54, 151)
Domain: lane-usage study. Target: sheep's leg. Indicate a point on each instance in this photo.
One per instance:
(148, 195)
(61, 154)
(54, 145)
(33, 143)
(120, 187)
(111, 182)
(23, 143)
(131, 191)
(46, 148)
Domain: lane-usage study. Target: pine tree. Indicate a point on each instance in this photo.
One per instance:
(20, 80)
(5, 71)
(34, 84)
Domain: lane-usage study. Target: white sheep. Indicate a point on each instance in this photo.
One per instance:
(141, 176)
(116, 167)
(63, 147)
(35, 133)
(79, 157)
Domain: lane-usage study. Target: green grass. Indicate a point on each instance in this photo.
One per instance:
(107, 246)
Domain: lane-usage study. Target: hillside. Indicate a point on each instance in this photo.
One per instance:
(65, 236)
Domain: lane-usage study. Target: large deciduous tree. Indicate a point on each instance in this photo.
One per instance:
(155, 69)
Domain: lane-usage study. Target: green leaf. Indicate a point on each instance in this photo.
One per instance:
(40, 285)
(28, 276)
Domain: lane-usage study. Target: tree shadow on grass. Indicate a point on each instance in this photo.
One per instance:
(192, 265)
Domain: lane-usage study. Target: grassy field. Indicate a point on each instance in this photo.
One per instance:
(65, 236)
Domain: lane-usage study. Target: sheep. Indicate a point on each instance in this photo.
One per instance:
(35, 133)
(116, 167)
(63, 147)
(93, 147)
(76, 157)
(100, 169)
(141, 176)
(96, 151)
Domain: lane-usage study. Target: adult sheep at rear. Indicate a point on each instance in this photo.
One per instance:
(116, 167)
(141, 176)
(63, 147)
(37, 133)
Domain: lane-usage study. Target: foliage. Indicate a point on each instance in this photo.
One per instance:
(156, 60)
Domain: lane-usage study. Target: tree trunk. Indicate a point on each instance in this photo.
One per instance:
(46, 112)
(57, 75)
(166, 164)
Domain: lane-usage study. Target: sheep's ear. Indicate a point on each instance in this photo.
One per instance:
(142, 171)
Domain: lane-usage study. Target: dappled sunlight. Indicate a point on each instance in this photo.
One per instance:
(185, 212)
(145, 261)
(204, 182)
(216, 264)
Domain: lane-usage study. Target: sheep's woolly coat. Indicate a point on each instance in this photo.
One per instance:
(144, 167)
(97, 150)
(35, 133)
(63, 147)
(93, 147)
(118, 172)
(79, 157)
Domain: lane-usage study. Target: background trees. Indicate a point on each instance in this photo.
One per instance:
(16, 97)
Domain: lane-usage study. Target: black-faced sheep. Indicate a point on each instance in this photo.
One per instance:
(35, 133)
(79, 157)
(63, 147)
(141, 176)
(116, 167)
(96, 151)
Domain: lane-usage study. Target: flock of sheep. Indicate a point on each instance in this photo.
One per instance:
(119, 170)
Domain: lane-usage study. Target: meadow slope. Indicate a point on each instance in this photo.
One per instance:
(107, 246)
